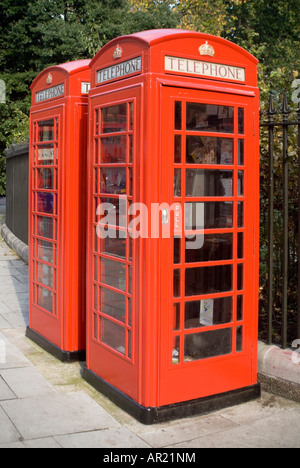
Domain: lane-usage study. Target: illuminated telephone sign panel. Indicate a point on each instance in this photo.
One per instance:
(172, 290)
(57, 197)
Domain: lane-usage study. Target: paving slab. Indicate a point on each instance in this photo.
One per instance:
(6, 392)
(8, 432)
(46, 442)
(112, 438)
(27, 382)
(185, 430)
(58, 415)
(10, 355)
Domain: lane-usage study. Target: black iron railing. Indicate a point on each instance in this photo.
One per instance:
(280, 224)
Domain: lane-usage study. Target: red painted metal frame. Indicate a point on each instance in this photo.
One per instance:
(155, 383)
(63, 327)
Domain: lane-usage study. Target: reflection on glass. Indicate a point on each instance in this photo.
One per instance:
(209, 183)
(215, 247)
(45, 155)
(208, 280)
(45, 227)
(209, 150)
(45, 179)
(207, 312)
(241, 153)
(112, 211)
(45, 298)
(209, 118)
(176, 350)
(113, 149)
(177, 149)
(113, 180)
(114, 118)
(114, 244)
(112, 335)
(45, 202)
(45, 251)
(240, 183)
(113, 274)
(46, 130)
(207, 344)
(216, 215)
(178, 115)
(241, 121)
(177, 182)
(113, 304)
(45, 275)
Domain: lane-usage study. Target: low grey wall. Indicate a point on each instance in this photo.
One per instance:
(17, 157)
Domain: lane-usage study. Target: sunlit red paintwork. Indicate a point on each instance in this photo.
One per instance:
(143, 369)
(58, 186)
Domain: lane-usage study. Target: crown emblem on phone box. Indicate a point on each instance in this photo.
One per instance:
(207, 49)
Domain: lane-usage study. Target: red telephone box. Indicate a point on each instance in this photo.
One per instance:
(57, 209)
(173, 224)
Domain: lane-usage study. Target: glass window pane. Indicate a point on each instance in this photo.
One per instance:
(240, 217)
(46, 130)
(239, 339)
(112, 212)
(240, 277)
(113, 274)
(114, 244)
(113, 180)
(178, 107)
(176, 350)
(176, 316)
(209, 183)
(215, 247)
(177, 183)
(177, 244)
(45, 299)
(45, 155)
(113, 150)
(240, 183)
(114, 119)
(208, 280)
(112, 335)
(207, 344)
(239, 308)
(241, 153)
(176, 283)
(207, 312)
(241, 121)
(113, 304)
(177, 149)
(45, 227)
(45, 251)
(240, 245)
(216, 215)
(45, 179)
(209, 150)
(44, 202)
(209, 118)
(45, 275)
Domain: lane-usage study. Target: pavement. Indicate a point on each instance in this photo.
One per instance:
(45, 403)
